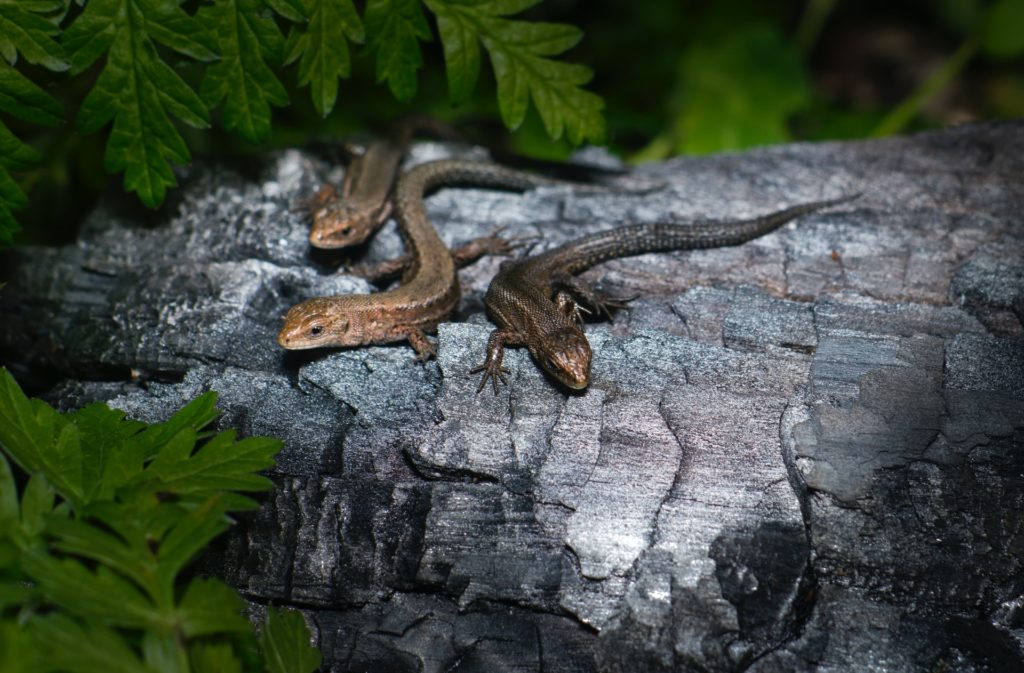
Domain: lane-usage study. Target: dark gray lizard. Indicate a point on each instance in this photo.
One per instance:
(534, 300)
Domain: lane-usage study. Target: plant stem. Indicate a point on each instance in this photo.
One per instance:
(901, 115)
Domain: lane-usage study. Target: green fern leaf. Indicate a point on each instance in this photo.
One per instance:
(248, 40)
(136, 90)
(293, 10)
(394, 29)
(519, 52)
(22, 29)
(322, 46)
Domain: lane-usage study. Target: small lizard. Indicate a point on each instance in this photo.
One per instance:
(430, 287)
(532, 300)
(349, 218)
(364, 204)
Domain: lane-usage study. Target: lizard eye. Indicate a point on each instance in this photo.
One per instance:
(345, 231)
(550, 365)
(316, 330)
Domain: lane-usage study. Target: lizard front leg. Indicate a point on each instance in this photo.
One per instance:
(491, 367)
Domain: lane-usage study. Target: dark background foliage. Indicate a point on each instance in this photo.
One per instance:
(677, 77)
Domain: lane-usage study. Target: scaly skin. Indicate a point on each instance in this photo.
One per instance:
(430, 288)
(533, 301)
(340, 221)
(364, 204)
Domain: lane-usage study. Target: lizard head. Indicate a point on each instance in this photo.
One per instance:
(320, 322)
(565, 354)
(343, 223)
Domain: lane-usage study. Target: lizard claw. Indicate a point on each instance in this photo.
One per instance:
(493, 372)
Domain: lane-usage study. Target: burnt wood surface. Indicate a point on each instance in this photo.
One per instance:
(801, 454)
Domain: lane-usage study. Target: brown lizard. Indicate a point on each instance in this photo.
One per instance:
(429, 289)
(532, 300)
(364, 204)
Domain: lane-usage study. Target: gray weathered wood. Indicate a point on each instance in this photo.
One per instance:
(805, 453)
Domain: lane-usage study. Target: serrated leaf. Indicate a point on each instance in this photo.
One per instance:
(175, 451)
(92, 33)
(461, 56)
(87, 647)
(222, 464)
(64, 466)
(20, 430)
(11, 198)
(23, 30)
(45, 6)
(197, 414)
(293, 10)
(209, 607)
(323, 48)
(107, 456)
(38, 439)
(136, 89)
(82, 538)
(242, 79)
(101, 595)
(36, 504)
(1003, 29)
(14, 154)
(18, 653)
(214, 658)
(285, 643)
(189, 536)
(518, 51)
(10, 511)
(164, 653)
(394, 29)
(20, 97)
(166, 23)
(23, 99)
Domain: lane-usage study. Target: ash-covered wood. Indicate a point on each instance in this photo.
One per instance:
(802, 454)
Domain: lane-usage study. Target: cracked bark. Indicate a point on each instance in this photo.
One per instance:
(799, 454)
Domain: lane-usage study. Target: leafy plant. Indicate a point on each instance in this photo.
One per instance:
(26, 28)
(240, 50)
(734, 93)
(93, 548)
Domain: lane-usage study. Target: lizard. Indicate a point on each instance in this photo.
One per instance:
(364, 204)
(534, 300)
(429, 290)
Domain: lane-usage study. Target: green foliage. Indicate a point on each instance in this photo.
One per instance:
(112, 511)
(395, 28)
(136, 89)
(738, 93)
(284, 648)
(1003, 30)
(238, 50)
(323, 48)
(243, 79)
(26, 28)
(518, 52)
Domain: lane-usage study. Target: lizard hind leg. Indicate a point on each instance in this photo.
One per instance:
(425, 348)
(568, 307)
(597, 300)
